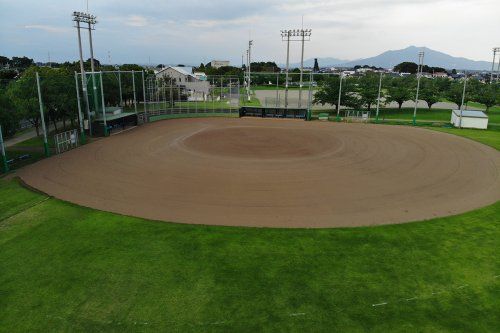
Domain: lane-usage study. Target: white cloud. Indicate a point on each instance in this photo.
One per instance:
(137, 21)
(47, 28)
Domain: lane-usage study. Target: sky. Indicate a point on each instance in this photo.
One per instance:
(193, 31)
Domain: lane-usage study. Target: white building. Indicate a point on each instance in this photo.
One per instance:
(219, 63)
(440, 75)
(469, 119)
(197, 86)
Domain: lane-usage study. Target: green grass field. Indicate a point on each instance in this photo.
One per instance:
(68, 268)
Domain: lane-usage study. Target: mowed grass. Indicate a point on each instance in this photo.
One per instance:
(488, 137)
(68, 268)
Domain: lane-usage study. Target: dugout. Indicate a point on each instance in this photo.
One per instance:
(273, 112)
(115, 119)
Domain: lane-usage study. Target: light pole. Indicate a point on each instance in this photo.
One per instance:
(340, 94)
(249, 52)
(419, 74)
(495, 50)
(85, 18)
(286, 35)
(378, 97)
(304, 34)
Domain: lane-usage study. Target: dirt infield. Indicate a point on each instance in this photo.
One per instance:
(273, 172)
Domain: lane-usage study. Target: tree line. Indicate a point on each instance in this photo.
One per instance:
(362, 92)
(19, 95)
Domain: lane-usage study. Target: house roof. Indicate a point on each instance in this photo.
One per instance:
(471, 113)
(183, 70)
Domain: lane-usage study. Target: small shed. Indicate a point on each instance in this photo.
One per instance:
(470, 119)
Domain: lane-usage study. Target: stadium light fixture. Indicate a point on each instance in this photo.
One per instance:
(304, 35)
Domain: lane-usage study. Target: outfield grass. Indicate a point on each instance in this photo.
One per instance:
(70, 268)
(488, 137)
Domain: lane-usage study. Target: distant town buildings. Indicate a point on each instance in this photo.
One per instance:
(219, 63)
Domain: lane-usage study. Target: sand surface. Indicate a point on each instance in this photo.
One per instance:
(274, 173)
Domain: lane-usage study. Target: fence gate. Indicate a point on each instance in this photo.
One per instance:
(66, 141)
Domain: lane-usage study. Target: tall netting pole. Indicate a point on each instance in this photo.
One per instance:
(45, 142)
(309, 97)
(144, 97)
(378, 97)
(4, 155)
(120, 86)
(133, 89)
(80, 115)
(340, 95)
(103, 108)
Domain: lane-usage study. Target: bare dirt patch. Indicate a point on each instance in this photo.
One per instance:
(275, 173)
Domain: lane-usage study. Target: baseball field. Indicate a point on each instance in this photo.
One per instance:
(92, 251)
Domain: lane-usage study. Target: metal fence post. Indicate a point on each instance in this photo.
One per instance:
(45, 142)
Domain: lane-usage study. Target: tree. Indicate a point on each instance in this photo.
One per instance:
(21, 62)
(406, 67)
(24, 97)
(328, 92)
(455, 93)
(368, 89)
(9, 119)
(488, 94)
(429, 92)
(399, 91)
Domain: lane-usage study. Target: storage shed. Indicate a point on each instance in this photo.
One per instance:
(470, 119)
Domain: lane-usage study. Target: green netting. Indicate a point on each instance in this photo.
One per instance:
(94, 92)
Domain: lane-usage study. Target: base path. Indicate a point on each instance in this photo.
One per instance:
(275, 173)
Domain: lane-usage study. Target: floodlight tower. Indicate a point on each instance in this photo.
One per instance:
(303, 33)
(495, 51)
(290, 35)
(419, 75)
(80, 17)
(285, 36)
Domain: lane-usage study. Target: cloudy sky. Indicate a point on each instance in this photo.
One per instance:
(192, 31)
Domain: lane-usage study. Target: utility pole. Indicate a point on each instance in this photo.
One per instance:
(286, 34)
(83, 17)
(378, 97)
(419, 74)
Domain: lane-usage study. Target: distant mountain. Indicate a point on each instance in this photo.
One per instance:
(389, 59)
(432, 58)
